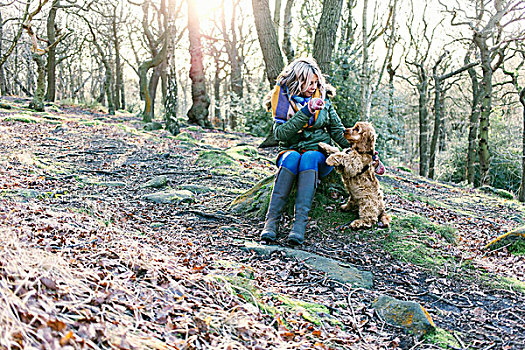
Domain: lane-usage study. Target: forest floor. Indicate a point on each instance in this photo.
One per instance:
(87, 261)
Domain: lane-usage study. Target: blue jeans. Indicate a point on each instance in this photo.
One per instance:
(297, 162)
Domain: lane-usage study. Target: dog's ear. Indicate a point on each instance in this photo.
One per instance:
(335, 159)
(368, 138)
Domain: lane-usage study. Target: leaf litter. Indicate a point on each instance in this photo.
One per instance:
(87, 266)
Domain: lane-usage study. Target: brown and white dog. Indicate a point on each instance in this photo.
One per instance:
(354, 165)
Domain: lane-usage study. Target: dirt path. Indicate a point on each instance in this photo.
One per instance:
(73, 191)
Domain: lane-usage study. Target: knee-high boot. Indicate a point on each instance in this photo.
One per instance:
(306, 184)
(281, 190)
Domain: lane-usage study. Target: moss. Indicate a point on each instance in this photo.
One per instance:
(184, 136)
(512, 283)
(403, 168)
(410, 239)
(215, 159)
(312, 312)
(22, 119)
(443, 339)
(242, 152)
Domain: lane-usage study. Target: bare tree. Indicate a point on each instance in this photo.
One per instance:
(489, 35)
(198, 113)
(438, 107)
(268, 40)
(287, 28)
(324, 41)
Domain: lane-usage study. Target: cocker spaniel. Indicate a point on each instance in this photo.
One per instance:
(354, 165)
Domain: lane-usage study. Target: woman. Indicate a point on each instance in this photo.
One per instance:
(303, 117)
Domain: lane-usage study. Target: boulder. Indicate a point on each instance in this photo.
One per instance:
(408, 315)
(170, 196)
(153, 126)
(156, 182)
(255, 201)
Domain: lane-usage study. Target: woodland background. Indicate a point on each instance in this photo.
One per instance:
(441, 80)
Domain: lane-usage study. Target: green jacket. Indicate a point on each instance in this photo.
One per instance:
(327, 127)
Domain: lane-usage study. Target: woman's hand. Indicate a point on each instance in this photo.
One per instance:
(315, 104)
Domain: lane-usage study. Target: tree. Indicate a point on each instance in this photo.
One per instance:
(287, 28)
(489, 36)
(37, 55)
(198, 113)
(324, 41)
(438, 107)
(416, 61)
(268, 40)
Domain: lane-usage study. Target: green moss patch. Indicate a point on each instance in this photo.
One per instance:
(415, 239)
(443, 339)
(214, 159)
(242, 152)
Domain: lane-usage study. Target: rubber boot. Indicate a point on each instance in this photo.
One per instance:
(281, 190)
(306, 184)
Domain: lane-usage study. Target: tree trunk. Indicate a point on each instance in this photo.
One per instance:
(3, 85)
(277, 17)
(38, 99)
(51, 55)
(170, 105)
(522, 187)
(365, 72)
(287, 24)
(423, 121)
(325, 35)
(198, 113)
(272, 56)
(118, 64)
(486, 108)
(473, 126)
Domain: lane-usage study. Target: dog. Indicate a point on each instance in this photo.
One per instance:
(354, 165)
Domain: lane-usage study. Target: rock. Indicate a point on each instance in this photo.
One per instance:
(497, 191)
(5, 106)
(184, 136)
(514, 239)
(156, 182)
(152, 126)
(242, 152)
(408, 315)
(195, 188)
(170, 196)
(255, 201)
(214, 159)
(332, 268)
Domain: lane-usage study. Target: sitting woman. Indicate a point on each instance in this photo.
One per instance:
(303, 117)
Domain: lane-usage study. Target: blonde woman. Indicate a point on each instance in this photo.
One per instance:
(303, 117)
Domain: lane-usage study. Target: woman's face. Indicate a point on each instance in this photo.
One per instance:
(309, 90)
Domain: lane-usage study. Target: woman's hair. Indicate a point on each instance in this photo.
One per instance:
(297, 75)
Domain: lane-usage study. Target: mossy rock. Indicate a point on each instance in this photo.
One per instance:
(5, 106)
(255, 201)
(197, 189)
(408, 315)
(156, 182)
(110, 184)
(497, 191)
(184, 136)
(514, 240)
(170, 196)
(22, 119)
(152, 126)
(28, 193)
(242, 152)
(214, 159)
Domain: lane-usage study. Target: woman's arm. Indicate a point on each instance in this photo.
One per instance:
(337, 128)
(291, 127)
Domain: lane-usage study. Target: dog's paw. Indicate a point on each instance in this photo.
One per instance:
(327, 148)
(348, 206)
(359, 224)
(334, 160)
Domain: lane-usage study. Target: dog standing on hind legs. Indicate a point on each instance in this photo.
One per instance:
(354, 165)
